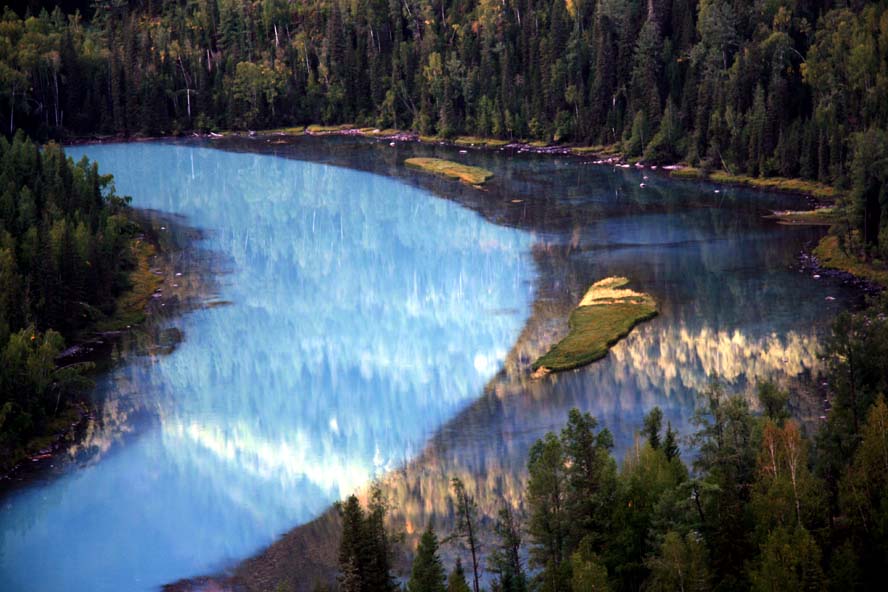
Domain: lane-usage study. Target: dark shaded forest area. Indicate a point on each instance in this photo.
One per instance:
(63, 260)
(794, 88)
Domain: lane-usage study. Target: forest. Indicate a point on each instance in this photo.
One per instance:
(765, 88)
(64, 252)
(764, 503)
(795, 88)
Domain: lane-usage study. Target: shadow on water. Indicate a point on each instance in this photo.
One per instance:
(377, 333)
(725, 280)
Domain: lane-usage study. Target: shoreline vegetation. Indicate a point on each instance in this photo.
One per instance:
(830, 255)
(472, 175)
(76, 268)
(607, 313)
(130, 312)
(132, 304)
(610, 154)
(605, 154)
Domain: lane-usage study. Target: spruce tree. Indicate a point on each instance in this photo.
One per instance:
(353, 545)
(505, 559)
(653, 424)
(456, 582)
(428, 572)
(670, 443)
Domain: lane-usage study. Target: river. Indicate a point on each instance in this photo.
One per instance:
(378, 323)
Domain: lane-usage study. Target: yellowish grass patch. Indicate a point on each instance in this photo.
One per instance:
(831, 255)
(465, 173)
(606, 314)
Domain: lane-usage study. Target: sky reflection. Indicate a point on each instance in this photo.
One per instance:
(364, 314)
(377, 330)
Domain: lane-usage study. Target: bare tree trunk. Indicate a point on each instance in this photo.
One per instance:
(472, 546)
(466, 529)
(56, 81)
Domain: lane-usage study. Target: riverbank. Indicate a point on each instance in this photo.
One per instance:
(821, 192)
(152, 250)
(608, 154)
(61, 429)
(829, 255)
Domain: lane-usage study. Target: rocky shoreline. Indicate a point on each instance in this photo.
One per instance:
(810, 264)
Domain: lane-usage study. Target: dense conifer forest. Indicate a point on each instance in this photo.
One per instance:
(794, 88)
(63, 253)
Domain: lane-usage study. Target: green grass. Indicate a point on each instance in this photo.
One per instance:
(831, 255)
(606, 314)
(465, 173)
(816, 217)
(317, 128)
(374, 132)
(687, 173)
(598, 150)
(479, 141)
(289, 131)
(812, 188)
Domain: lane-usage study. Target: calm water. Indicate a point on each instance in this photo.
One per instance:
(374, 329)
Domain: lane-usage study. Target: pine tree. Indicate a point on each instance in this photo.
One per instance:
(467, 527)
(590, 474)
(505, 559)
(365, 546)
(353, 544)
(428, 572)
(548, 521)
(670, 443)
(456, 582)
(653, 424)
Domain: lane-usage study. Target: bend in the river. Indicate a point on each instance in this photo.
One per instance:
(376, 330)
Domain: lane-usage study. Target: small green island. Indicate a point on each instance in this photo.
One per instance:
(606, 314)
(463, 172)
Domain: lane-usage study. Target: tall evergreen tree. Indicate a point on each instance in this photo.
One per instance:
(428, 572)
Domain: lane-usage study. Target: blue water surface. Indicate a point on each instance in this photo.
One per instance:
(363, 313)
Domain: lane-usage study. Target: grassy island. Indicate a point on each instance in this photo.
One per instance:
(465, 173)
(606, 314)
